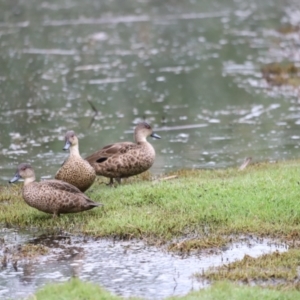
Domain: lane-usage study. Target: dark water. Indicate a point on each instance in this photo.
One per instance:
(190, 68)
(125, 268)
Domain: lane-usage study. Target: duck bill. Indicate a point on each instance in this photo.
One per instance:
(15, 178)
(67, 145)
(156, 136)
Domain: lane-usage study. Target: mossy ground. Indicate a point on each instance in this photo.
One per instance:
(280, 267)
(284, 73)
(194, 210)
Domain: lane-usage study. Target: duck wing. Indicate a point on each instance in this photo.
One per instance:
(110, 150)
(61, 186)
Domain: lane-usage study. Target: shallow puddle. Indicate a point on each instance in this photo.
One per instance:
(127, 268)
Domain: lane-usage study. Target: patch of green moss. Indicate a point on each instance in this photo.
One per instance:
(74, 289)
(190, 245)
(17, 253)
(275, 266)
(31, 251)
(288, 29)
(281, 74)
(225, 290)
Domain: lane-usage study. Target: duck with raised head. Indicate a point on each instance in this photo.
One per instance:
(125, 159)
(75, 170)
(51, 196)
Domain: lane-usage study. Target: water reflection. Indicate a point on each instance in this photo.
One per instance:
(127, 268)
(194, 66)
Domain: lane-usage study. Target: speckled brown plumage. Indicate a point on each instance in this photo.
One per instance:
(125, 159)
(75, 170)
(51, 196)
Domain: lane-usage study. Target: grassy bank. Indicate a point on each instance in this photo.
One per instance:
(76, 289)
(198, 209)
(211, 204)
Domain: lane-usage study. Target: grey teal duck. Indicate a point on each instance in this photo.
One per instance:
(51, 196)
(125, 159)
(75, 170)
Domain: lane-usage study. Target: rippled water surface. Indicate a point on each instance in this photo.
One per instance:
(125, 268)
(190, 68)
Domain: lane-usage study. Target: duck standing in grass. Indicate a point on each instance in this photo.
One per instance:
(125, 159)
(75, 170)
(51, 196)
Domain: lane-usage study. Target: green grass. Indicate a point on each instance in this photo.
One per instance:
(197, 210)
(282, 267)
(78, 290)
(263, 199)
(225, 290)
(74, 289)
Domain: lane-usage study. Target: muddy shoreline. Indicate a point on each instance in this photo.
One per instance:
(127, 268)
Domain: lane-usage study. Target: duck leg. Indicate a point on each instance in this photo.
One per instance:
(111, 182)
(55, 215)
